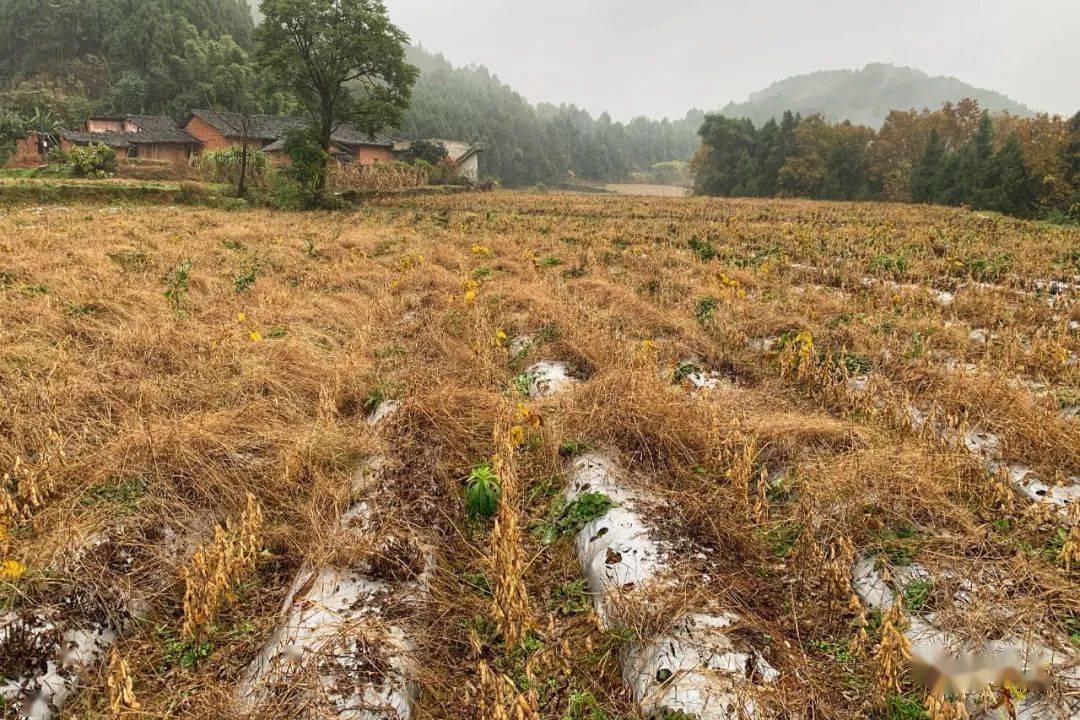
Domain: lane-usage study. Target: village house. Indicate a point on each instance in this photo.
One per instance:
(464, 155)
(156, 137)
(150, 137)
(220, 130)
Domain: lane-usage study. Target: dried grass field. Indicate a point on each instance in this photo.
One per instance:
(539, 456)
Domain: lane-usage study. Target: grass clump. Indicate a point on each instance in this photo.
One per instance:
(905, 707)
(583, 705)
(705, 310)
(131, 261)
(571, 598)
(122, 494)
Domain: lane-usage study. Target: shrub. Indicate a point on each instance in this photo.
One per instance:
(58, 156)
(92, 161)
(429, 152)
(301, 178)
(191, 193)
(223, 166)
(445, 172)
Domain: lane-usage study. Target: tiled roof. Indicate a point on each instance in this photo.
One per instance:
(273, 128)
(149, 129)
(161, 129)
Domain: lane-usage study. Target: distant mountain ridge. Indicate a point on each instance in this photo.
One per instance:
(865, 96)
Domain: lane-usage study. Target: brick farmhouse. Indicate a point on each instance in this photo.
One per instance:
(218, 130)
(132, 136)
(155, 137)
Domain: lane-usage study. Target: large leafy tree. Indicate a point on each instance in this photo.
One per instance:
(725, 162)
(343, 59)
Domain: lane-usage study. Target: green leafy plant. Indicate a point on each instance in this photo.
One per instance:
(839, 651)
(905, 707)
(702, 248)
(890, 265)
(573, 448)
(855, 365)
(95, 161)
(376, 396)
(583, 705)
(987, 268)
(781, 538)
(917, 594)
(176, 285)
(571, 598)
(1072, 627)
(900, 544)
(121, 493)
(245, 280)
(705, 309)
(223, 166)
(683, 371)
(522, 383)
(74, 309)
(477, 582)
(482, 492)
(181, 653)
(568, 518)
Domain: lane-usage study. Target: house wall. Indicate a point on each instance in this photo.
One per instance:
(454, 148)
(471, 167)
(26, 152)
(367, 154)
(211, 137)
(96, 125)
(176, 153)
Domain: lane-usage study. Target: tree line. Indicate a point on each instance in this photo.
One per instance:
(956, 155)
(544, 143)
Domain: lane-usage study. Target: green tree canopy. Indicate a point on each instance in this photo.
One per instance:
(343, 60)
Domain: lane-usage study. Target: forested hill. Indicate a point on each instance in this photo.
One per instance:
(537, 144)
(865, 96)
(64, 60)
(43, 38)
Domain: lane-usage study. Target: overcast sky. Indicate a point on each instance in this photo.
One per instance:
(662, 57)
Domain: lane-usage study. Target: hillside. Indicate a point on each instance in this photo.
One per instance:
(545, 143)
(865, 96)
